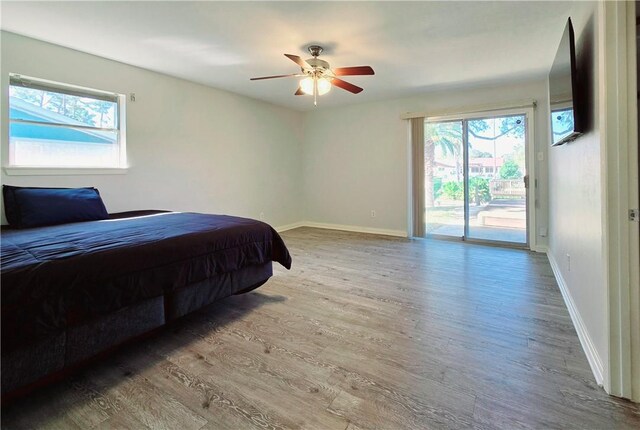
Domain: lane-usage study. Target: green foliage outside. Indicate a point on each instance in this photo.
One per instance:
(510, 170)
(437, 187)
(479, 191)
(452, 190)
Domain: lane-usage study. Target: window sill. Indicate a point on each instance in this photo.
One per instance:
(64, 171)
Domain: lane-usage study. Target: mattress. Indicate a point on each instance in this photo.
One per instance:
(60, 276)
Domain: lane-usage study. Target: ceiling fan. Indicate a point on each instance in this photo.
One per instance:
(319, 77)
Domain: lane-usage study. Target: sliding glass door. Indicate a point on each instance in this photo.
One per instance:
(443, 173)
(475, 178)
(496, 179)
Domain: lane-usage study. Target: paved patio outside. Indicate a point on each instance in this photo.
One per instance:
(500, 220)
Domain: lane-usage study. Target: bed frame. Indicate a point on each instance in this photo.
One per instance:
(56, 356)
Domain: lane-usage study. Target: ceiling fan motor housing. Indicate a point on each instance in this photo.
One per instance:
(315, 50)
(319, 68)
(318, 64)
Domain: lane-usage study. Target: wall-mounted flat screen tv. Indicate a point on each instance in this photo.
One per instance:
(566, 114)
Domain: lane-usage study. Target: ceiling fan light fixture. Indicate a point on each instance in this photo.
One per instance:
(324, 86)
(306, 85)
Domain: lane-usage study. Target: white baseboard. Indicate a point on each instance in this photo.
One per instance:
(290, 226)
(585, 340)
(540, 248)
(352, 228)
(357, 229)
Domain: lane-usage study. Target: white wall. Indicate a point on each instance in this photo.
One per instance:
(355, 157)
(190, 147)
(576, 202)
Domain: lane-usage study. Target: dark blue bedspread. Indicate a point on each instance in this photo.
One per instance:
(56, 276)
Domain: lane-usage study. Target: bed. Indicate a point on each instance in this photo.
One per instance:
(71, 291)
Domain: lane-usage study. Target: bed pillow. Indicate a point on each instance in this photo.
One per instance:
(33, 207)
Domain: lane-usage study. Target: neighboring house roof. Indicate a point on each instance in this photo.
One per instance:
(440, 164)
(486, 162)
(19, 109)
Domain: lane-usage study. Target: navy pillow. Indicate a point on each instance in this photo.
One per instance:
(34, 207)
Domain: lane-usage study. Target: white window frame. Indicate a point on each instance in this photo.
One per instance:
(58, 87)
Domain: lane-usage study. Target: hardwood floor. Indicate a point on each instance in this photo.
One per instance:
(364, 332)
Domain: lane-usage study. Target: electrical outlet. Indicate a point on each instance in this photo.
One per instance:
(132, 97)
(542, 231)
(569, 262)
(373, 213)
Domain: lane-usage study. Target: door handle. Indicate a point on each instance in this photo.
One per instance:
(526, 181)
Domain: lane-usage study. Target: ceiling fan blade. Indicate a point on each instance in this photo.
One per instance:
(346, 85)
(299, 92)
(299, 61)
(272, 77)
(352, 71)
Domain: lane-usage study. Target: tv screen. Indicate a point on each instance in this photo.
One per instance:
(565, 118)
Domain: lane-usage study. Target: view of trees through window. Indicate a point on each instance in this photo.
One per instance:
(496, 168)
(84, 110)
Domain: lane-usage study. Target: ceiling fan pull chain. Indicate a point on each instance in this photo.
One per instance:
(315, 91)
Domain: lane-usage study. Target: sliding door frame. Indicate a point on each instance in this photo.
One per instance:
(530, 161)
(465, 176)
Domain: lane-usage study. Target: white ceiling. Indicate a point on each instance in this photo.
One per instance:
(413, 47)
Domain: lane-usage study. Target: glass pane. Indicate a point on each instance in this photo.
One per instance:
(562, 124)
(51, 107)
(444, 184)
(54, 146)
(497, 195)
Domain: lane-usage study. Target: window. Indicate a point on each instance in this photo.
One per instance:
(59, 125)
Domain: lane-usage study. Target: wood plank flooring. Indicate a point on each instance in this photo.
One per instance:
(364, 332)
